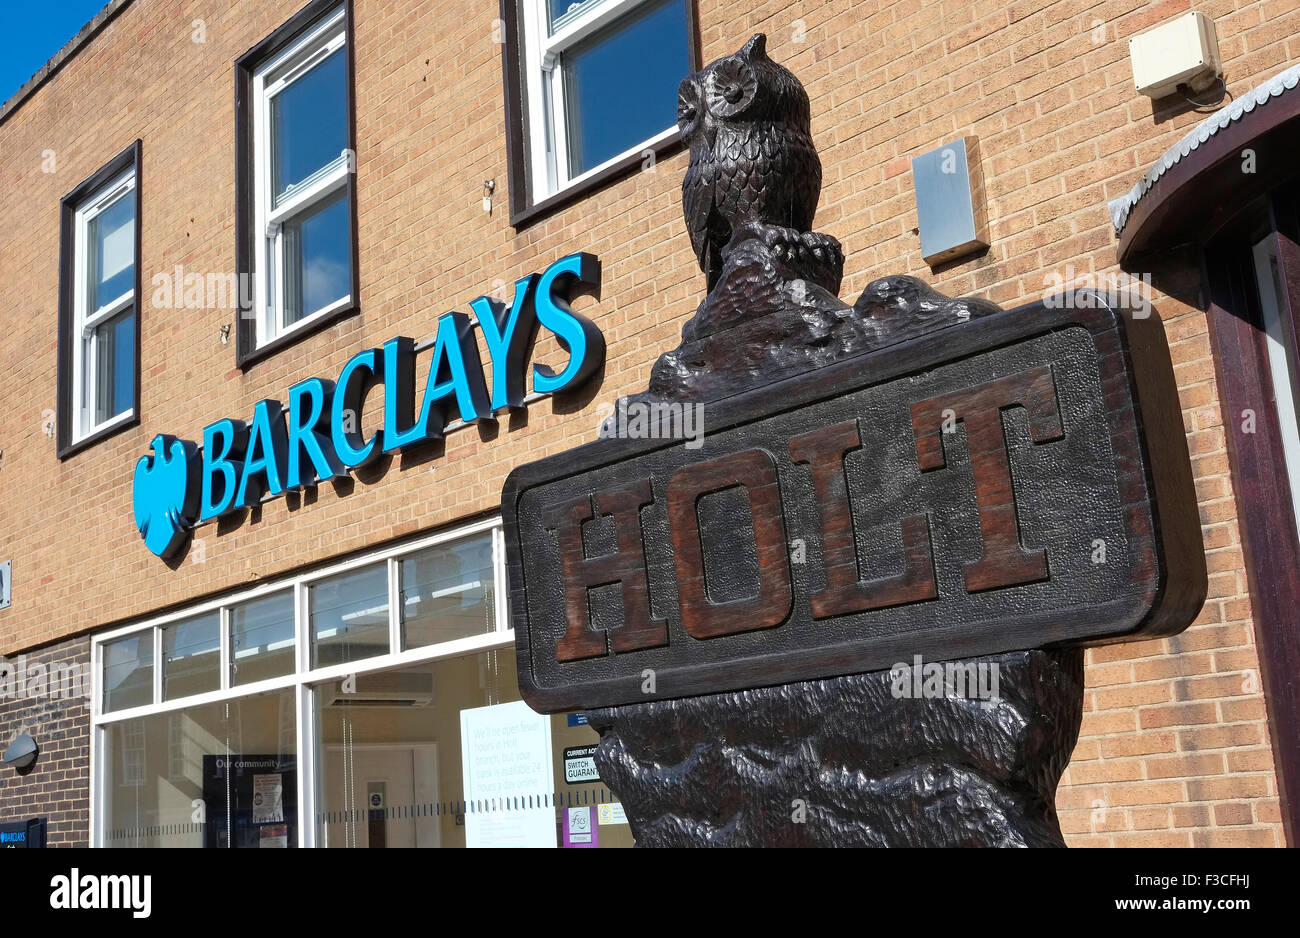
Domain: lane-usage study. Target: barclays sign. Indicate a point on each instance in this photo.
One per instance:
(317, 435)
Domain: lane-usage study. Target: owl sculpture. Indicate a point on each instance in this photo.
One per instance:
(753, 164)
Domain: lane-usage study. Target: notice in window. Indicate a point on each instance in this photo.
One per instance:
(268, 798)
(506, 763)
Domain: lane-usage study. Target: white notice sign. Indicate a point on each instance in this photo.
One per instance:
(506, 763)
(268, 798)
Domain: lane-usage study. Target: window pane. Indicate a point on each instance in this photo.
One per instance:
(114, 365)
(318, 257)
(128, 671)
(111, 264)
(237, 758)
(192, 656)
(309, 124)
(392, 772)
(621, 84)
(262, 639)
(562, 12)
(447, 592)
(349, 616)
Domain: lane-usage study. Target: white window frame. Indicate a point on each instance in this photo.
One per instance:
(543, 86)
(303, 679)
(85, 357)
(271, 78)
(1264, 254)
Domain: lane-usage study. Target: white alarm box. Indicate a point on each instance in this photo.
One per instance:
(1183, 51)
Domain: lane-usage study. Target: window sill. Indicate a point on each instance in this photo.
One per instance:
(667, 146)
(307, 327)
(129, 419)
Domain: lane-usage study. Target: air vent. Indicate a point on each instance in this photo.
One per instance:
(387, 689)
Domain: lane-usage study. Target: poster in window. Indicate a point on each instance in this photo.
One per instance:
(506, 762)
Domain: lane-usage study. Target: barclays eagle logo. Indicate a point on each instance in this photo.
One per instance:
(166, 494)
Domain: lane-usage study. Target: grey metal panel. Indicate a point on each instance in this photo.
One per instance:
(950, 201)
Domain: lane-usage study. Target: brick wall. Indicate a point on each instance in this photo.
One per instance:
(50, 706)
(1175, 745)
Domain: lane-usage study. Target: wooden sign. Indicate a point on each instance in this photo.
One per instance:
(982, 489)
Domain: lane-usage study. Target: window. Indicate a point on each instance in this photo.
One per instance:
(99, 343)
(1281, 361)
(297, 220)
(447, 592)
(349, 616)
(261, 637)
(591, 87)
(366, 704)
(127, 678)
(191, 656)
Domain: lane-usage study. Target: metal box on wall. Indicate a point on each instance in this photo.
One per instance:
(950, 208)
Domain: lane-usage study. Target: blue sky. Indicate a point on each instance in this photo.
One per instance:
(33, 31)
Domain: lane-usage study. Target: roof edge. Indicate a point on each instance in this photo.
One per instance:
(57, 61)
(1260, 95)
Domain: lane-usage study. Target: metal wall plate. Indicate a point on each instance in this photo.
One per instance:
(950, 208)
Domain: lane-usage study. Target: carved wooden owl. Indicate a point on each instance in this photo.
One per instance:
(746, 121)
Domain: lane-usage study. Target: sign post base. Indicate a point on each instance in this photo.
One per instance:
(851, 761)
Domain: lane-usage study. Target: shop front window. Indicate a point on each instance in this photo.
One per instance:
(448, 592)
(349, 616)
(262, 639)
(400, 666)
(445, 754)
(191, 656)
(218, 775)
(127, 673)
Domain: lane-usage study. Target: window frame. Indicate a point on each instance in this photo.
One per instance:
(119, 178)
(331, 21)
(524, 84)
(304, 679)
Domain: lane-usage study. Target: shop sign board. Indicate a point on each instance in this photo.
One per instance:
(978, 490)
(20, 835)
(317, 436)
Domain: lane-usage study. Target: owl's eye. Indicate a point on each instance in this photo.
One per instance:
(731, 87)
(688, 104)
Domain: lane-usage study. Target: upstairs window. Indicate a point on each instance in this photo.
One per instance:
(593, 88)
(99, 285)
(297, 197)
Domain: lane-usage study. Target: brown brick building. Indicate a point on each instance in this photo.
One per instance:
(331, 165)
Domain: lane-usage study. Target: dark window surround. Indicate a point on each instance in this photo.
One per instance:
(1270, 546)
(523, 211)
(128, 159)
(247, 352)
(1204, 207)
